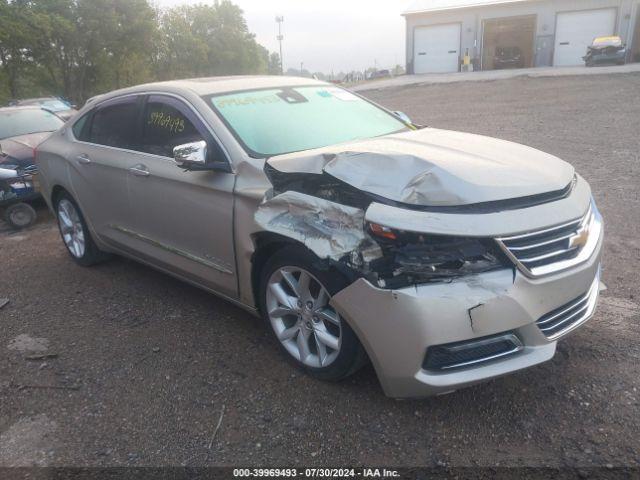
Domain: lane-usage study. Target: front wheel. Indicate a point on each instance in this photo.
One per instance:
(294, 298)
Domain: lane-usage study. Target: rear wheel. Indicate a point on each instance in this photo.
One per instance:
(75, 234)
(20, 215)
(295, 300)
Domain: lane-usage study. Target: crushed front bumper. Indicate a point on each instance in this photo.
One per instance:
(397, 327)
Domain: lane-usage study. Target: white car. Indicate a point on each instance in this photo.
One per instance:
(444, 258)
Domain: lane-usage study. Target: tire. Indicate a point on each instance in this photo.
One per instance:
(310, 321)
(20, 215)
(75, 234)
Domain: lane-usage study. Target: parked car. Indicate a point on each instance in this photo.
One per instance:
(508, 57)
(21, 130)
(60, 107)
(445, 258)
(380, 74)
(17, 189)
(606, 51)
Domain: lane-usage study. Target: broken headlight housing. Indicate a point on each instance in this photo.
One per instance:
(410, 258)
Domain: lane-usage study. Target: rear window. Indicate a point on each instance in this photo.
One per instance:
(79, 128)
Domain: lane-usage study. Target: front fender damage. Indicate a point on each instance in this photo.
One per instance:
(330, 230)
(327, 228)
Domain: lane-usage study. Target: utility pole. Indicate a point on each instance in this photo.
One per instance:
(301, 65)
(280, 19)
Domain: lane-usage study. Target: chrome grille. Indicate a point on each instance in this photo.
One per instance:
(556, 248)
(567, 317)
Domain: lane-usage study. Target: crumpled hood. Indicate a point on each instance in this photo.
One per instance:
(19, 150)
(432, 167)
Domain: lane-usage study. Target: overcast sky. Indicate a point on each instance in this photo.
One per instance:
(327, 34)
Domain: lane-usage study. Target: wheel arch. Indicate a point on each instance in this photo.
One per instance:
(266, 244)
(56, 192)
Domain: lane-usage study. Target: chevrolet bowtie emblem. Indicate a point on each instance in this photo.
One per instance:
(580, 238)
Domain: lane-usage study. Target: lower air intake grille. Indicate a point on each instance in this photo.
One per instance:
(471, 353)
(567, 317)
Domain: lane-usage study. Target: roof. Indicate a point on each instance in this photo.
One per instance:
(210, 86)
(213, 85)
(609, 41)
(425, 6)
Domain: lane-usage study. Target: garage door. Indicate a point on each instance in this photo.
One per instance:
(576, 30)
(437, 49)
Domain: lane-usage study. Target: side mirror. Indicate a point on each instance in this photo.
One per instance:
(194, 157)
(191, 154)
(404, 117)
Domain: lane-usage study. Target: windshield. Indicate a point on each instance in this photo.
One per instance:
(276, 121)
(21, 122)
(53, 104)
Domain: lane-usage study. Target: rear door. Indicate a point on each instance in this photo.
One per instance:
(575, 31)
(99, 162)
(184, 220)
(437, 48)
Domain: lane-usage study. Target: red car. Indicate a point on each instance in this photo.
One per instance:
(21, 130)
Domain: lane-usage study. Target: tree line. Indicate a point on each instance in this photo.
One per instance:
(80, 48)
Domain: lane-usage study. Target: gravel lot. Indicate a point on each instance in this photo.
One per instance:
(144, 365)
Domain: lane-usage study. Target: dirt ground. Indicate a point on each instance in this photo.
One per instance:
(144, 366)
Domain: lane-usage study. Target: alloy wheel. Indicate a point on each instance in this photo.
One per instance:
(71, 228)
(301, 317)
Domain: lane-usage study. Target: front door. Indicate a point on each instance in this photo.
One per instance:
(184, 220)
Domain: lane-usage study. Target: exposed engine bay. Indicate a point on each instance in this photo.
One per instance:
(328, 216)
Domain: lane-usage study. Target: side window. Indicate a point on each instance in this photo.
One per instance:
(167, 124)
(79, 130)
(114, 124)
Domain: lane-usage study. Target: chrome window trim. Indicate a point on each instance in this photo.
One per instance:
(224, 149)
(592, 217)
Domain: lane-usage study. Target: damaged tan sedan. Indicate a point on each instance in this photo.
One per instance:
(444, 258)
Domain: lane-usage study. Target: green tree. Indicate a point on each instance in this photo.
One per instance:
(14, 39)
(274, 66)
(79, 48)
(206, 40)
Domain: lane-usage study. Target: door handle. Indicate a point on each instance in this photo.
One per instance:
(139, 171)
(83, 159)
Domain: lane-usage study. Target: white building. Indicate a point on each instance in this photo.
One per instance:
(546, 32)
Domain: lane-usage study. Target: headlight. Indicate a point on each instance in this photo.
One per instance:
(413, 258)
